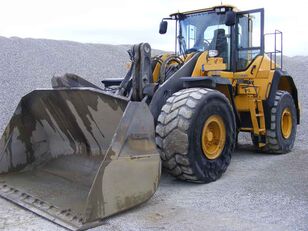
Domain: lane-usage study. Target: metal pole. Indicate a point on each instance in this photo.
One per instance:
(176, 35)
(281, 49)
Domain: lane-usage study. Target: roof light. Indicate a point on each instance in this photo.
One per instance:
(213, 53)
(220, 10)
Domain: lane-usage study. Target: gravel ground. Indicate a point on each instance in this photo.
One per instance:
(258, 191)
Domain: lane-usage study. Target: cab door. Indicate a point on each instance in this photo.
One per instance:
(249, 43)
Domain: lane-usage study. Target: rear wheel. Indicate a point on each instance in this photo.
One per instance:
(281, 135)
(196, 134)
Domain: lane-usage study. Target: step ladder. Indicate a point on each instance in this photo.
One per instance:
(257, 117)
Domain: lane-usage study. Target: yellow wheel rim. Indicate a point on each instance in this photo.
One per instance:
(213, 137)
(286, 123)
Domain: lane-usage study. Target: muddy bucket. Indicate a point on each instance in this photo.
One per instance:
(76, 156)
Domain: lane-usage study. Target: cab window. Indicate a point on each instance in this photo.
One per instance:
(248, 39)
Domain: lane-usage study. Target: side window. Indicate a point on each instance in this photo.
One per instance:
(249, 38)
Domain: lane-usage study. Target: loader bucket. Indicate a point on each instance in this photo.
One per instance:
(76, 156)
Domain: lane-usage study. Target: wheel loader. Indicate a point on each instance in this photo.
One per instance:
(78, 153)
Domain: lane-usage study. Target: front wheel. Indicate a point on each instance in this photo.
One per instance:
(196, 134)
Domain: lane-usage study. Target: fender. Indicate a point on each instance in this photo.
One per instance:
(281, 81)
(220, 84)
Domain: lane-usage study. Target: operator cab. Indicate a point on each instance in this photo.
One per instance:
(224, 32)
(204, 31)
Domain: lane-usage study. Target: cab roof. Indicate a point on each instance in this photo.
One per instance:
(233, 8)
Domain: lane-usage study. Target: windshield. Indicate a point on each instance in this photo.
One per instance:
(204, 31)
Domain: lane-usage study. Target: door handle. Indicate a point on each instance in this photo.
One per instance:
(252, 69)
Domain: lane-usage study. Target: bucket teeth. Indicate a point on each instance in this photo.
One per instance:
(44, 208)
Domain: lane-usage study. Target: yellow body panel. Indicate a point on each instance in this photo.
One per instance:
(251, 85)
(257, 80)
(205, 64)
(198, 67)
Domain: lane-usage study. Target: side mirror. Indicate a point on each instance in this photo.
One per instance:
(230, 19)
(163, 27)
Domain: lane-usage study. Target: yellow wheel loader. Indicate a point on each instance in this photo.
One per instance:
(78, 152)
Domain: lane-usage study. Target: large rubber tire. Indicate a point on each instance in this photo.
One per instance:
(179, 134)
(276, 142)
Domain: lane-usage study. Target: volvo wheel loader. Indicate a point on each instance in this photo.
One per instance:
(77, 153)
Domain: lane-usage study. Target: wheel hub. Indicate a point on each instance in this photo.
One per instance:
(213, 137)
(286, 123)
(210, 136)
